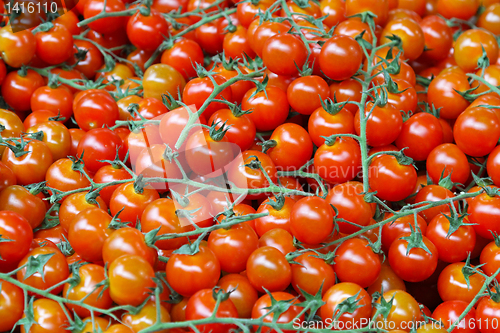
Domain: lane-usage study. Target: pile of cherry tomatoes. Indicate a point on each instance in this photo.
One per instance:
(254, 166)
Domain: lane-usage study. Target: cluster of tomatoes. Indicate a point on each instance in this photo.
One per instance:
(253, 166)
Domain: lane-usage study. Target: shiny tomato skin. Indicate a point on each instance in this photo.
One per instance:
(61, 176)
(269, 110)
(19, 200)
(276, 218)
(434, 193)
(452, 160)
(311, 220)
(253, 178)
(11, 310)
(339, 162)
(55, 45)
(345, 196)
(453, 285)
(241, 131)
(483, 212)
(15, 227)
(54, 271)
(87, 232)
(268, 268)
(391, 180)
(408, 265)
(404, 310)
(182, 56)
(284, 54)
(290, 137)
(31, 167)
(90, 275)
(95, 110)
(100, 144)
(202, 305)
(56, 136)
(321, 123)
(187, 274)
(469, 48)
(262, 305)
(476, 131)
(232, 247)
(351, 256)
(105, 25)
(339, 293)
(383, 126)
(17, 88)
(442, 93)
(127, 241)
(243, 296)
(449, 312)
(344, 50)
(49, 316)
(146, 32)
(455, 247)
(421, 133)
(198, 90)
(306, 93)
(130, 280)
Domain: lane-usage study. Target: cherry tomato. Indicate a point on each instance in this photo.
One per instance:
(187, 274)
(130, 280)
(268, 268)
(342, 292)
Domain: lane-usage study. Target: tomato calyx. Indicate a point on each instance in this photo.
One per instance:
(169, 101)
(468, 270)
(481, 182)
(91, 197)
(65, 247)
(190, 249)
(401, 158)
(254, 164)
(393, 67)
(139, 184)
(278, 203)
(78, 164)
(228, 64)
(494, 295)
(220, 295)
(217, 134)
(333, 107)
(36, 135)
(53, 81)
(456, 221)
(266, 145)
(180, 199)
(467, 94)
(17, 147)
(116, 223)
(446, 181)
(23, 71)
(313, 302)
(36, 264)
(349, 305)
(36, 188)
(415, 240)
(277, 308)
(237, 111)
(133, 109)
